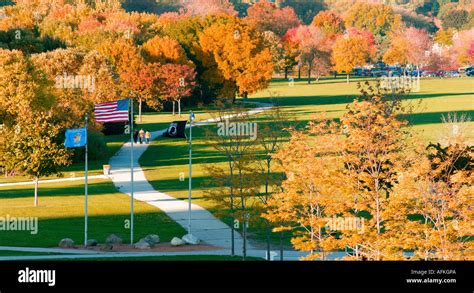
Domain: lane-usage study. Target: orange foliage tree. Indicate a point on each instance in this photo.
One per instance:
(240, 55)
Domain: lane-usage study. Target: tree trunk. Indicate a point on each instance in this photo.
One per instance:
(335, 74)
(36, 191)
(232, 207)
(347, 80)
(299, 72)
(309, 74)
(286, 72)
(266, 201)
(173, 108)
(281, 245)
(244, 217)
(179, 107)
(140, 110)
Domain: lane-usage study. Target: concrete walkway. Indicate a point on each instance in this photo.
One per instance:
(288, 255)
(204, 225)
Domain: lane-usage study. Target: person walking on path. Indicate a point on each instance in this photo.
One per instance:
(135, 135)
(141, 135)
(147, 137)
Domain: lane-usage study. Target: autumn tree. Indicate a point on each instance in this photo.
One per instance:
(349, 52)
(310, 191)
(305, 10)
(455, 18)
(291, 50)
(430, 203)
(25, 88)
(79, 79)
(233, 186)
(186, 31)
(175, 82)
(270, 138)
(266, 16)
(135, 76)
(371, 151)
(164, 50)
(33, 148)
(329, 21)
(315, 49)
(376, 18)
(241, 56)
(444, 37)
(463, 45)
(409, 46)
(277, 49)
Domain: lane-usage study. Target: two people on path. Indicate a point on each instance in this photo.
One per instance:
(141, 136)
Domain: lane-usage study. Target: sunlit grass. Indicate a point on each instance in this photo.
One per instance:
(61, 214)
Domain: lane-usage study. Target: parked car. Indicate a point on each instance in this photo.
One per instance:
(366, 72)
(415, 73)
(440, 73)
(390, 73)
(452, 73)
(428, 73)
(377, 73)
(380, 65)
(357, 71)
(470, 71)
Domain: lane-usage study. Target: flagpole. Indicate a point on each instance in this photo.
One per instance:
(131, 171)
(191, 118)
(86, 183)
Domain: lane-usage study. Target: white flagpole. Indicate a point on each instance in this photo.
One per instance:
(191, 119)
(86, 184)
(131, 171)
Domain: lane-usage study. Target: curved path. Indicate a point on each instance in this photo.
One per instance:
(204, 225)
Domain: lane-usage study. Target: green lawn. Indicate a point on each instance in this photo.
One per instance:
(61, 214)
(165, 159)
(438, 97)
(23, 253)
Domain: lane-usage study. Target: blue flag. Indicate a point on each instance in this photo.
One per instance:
(76, 138)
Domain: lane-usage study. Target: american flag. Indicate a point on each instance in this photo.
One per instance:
(112, 111)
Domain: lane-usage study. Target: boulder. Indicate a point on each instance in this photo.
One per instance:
(91, 242)
(113, 239)
(66, 243)
(191, 239)
(177, 241)
(152, 239)
(142, 244)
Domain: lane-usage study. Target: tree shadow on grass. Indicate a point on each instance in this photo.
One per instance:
(318, 100)
(431, 117)
(62, 191)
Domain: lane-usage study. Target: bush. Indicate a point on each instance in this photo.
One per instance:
(97, 147)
